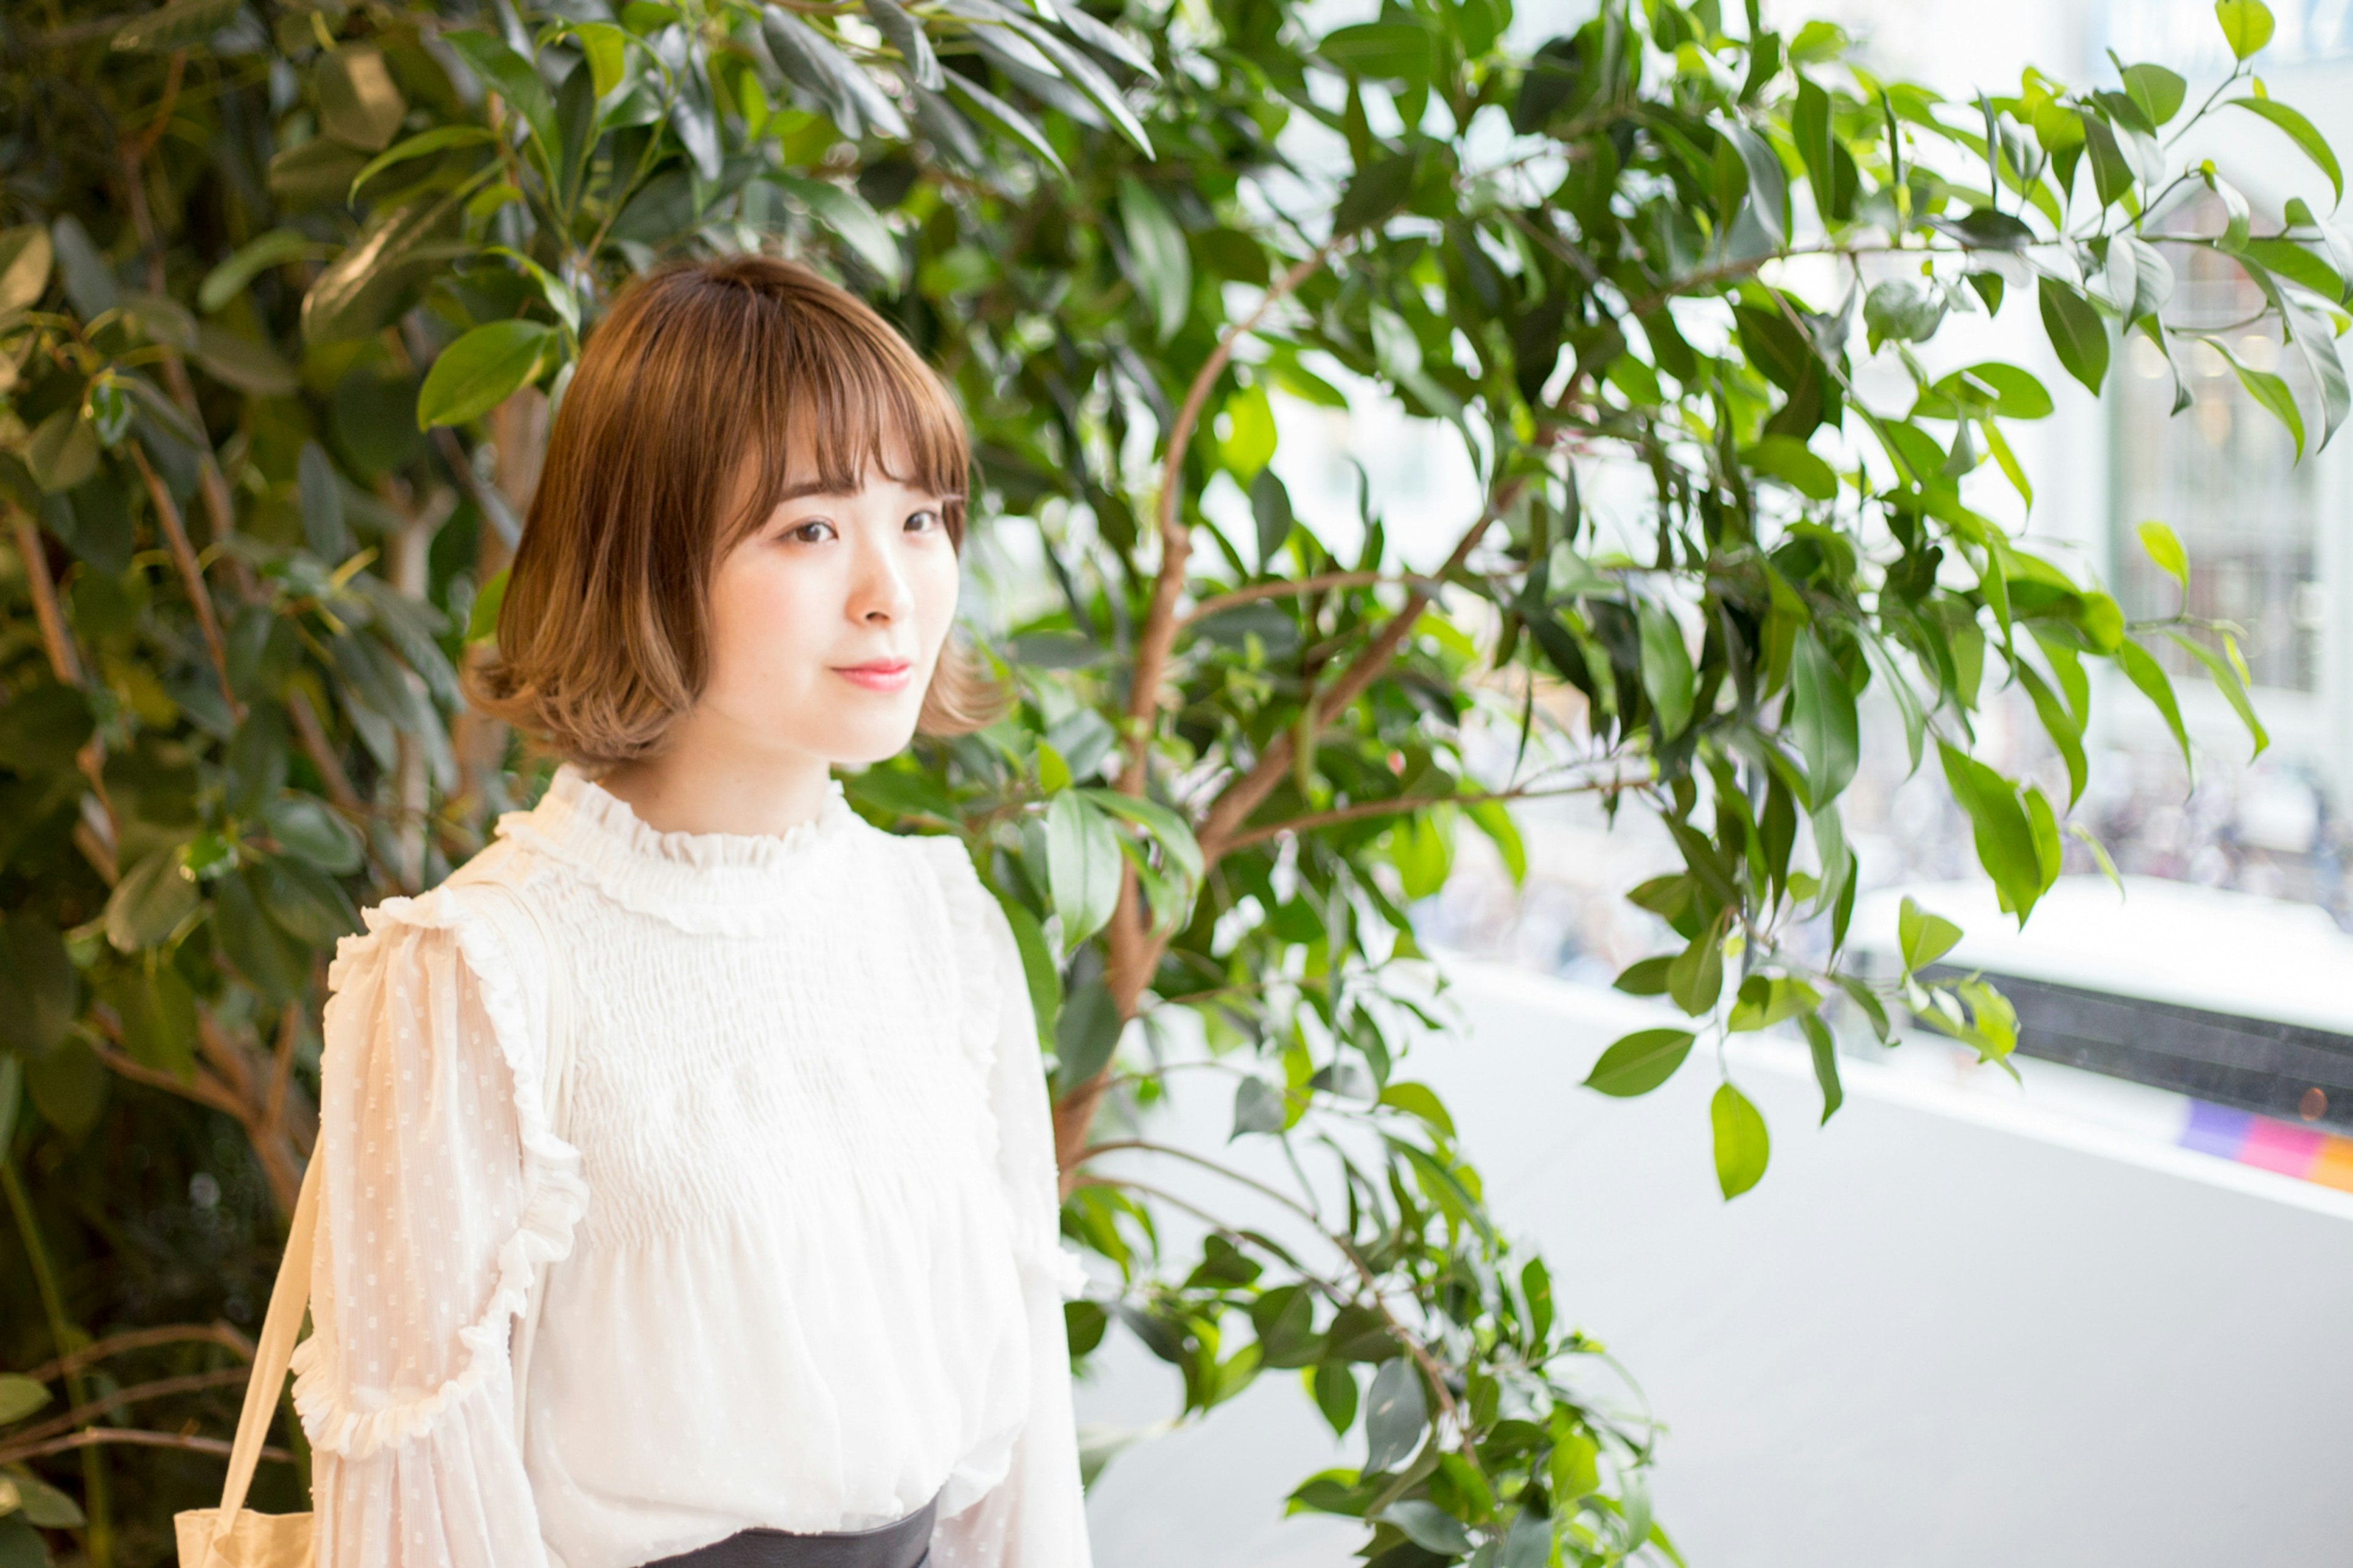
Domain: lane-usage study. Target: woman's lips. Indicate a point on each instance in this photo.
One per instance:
(880, 675)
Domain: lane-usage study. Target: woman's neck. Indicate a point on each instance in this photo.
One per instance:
(701, 783)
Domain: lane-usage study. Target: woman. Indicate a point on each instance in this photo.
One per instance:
(795, 1231)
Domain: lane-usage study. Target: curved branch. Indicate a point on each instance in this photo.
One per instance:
(1219, 603)
(101, 1436)
(83, 1415)
(216, 1333)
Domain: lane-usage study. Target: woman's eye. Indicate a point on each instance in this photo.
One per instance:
(809, 532)
(923, 522)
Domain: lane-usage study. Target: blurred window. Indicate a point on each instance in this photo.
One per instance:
(2222, 476)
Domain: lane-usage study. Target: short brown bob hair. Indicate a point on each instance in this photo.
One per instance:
(603, 638)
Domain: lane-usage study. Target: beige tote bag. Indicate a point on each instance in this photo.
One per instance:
(232, 1536)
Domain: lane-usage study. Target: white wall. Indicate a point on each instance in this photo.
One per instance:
(1946, 1330)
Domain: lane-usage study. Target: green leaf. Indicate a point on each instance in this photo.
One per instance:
(2064, 728)
(358, 104)
(1695, 978)
(2077, 333)
(848, 215)
(1270, 510)
(1922, 937)
(1901, 310)
(423, 145)
(852, 99)
(1790, 460)
(1572, 1468)
(41, 990)
(2309, 140)
(1396, 1415)
(907, 35)
(512, 77)
(227, 280)
(1742, 1146)
(25, 255)
(2165, 549)
(19, 1397)
(606, 48)
(1336, 1394)
(44, 1505)
(149, 901)
(480, 370)
(1162, 268)
(2229, 679)
(2267, 389)
(1640, 1062)
(1258, 1108)
(365, 287)
(2313, 334)
(2246, 24)
(1766, 1000)
(1168, 829)
(1086, 1035)
(1005, 114)
(1829, 167)
(1428, 1526)
(1420, 1101)
(1823, 1050)
(1389, 51)
(237, 360)
(308, 827)
(2005, 840)
(1667, 675)
(1373, 193)
(158, 1015)
(2149, 676)
(2156, 90)
(1828, 734)
(1082, 865)
(62, 451)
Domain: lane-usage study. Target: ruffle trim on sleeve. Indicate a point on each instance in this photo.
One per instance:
(973, 919)
(338, 1419)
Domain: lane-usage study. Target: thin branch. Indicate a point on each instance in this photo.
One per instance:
(1158, 638)
(58, 642)
(162, 1388)
(281, 1068)
(1219, 603)
(216, 1333)
(1237, 800)
(1146, 1145)
(1316, 820)
(205, 1088)
(192, 576)
(209, 482)
(315, 746)
(101, 1436)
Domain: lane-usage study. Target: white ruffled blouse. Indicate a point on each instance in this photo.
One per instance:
(797, 1235)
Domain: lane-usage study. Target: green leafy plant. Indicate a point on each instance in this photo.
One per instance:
(286, 293)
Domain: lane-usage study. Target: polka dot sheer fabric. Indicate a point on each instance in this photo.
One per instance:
(797, 1234)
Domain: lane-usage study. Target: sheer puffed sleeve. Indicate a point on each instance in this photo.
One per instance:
(1035, 1518)
(443, 1191)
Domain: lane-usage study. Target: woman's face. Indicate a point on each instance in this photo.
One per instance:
(827, 620)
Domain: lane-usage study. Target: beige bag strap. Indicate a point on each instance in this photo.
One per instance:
(274, 1350)
(292, 1294)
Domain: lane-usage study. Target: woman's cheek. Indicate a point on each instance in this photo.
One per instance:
(764, 614)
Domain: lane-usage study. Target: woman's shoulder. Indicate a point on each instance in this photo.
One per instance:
(461, 911)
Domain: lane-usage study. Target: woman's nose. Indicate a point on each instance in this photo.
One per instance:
(880, 590)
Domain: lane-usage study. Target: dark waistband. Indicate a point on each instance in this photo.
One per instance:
(903, 1544)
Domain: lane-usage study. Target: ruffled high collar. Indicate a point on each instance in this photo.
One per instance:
(713, 881)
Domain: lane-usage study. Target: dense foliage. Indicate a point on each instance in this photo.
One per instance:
(286, 289)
